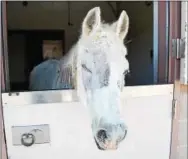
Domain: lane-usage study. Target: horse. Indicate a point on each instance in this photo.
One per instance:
(95, 66)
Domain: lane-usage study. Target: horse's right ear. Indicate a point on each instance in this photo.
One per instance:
(91, 21)
(122, 25)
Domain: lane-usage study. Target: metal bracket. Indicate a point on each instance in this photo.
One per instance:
(178, 48)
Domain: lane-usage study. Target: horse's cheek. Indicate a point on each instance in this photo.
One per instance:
(80, 88)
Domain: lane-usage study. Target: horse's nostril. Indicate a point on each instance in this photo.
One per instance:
(102, 135)
(125, 133)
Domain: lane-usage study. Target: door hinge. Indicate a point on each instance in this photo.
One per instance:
(178, 48)
(174, 105)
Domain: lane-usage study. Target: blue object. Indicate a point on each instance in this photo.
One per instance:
(50, 76)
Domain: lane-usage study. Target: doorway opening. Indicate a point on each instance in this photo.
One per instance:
(31, 24)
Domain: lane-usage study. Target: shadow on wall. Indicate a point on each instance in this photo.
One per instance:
(141, 60)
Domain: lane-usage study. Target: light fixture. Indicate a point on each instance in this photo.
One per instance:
(25, 3)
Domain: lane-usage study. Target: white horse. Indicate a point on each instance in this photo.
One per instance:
(95, 66)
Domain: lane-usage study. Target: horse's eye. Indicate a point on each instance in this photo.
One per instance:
(85, 68)
(126, 72)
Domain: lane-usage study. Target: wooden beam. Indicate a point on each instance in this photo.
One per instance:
(162, 52)
(174, 32)
(180, 114)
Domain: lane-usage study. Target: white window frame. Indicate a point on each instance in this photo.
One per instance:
(184, 35)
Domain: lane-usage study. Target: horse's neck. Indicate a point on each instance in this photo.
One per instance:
(69, 58)
(69, 61)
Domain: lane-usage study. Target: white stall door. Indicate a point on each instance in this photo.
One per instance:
(67, 135)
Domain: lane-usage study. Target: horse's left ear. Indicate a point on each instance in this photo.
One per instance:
(91, 21)
(122, 25)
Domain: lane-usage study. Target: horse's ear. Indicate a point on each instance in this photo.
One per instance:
(91, 21)
(122, 25)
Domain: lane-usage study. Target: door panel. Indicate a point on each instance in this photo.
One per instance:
(148, 121)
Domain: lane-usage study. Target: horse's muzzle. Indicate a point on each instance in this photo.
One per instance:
(109, 139)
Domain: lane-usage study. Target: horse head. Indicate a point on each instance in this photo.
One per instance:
(101, 69)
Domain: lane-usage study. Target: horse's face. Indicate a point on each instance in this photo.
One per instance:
(101, 70)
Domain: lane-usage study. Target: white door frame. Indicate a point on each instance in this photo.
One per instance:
(184, 35)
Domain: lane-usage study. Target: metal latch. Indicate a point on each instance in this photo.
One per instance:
(178, 48)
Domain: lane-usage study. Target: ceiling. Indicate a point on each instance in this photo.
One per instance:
(141, 15)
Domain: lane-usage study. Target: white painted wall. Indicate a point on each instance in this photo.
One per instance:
(149, 124)
(48, 15)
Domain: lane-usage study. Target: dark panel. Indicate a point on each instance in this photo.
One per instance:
(33, 53)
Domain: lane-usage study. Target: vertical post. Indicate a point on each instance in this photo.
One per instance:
(5, 45)
(174, 74)
(155, 41)
(167, 40)
(174, 32)
(3, 151)
(184, 35)
(162, 42)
